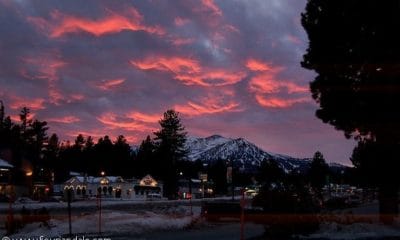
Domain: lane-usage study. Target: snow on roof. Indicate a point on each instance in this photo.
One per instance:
(80, 179)
(5, 164)
(115, 179)
(111, 179)
(74, 174)
(91, 179)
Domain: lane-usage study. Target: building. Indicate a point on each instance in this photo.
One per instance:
(147, 185)
(111, 187)
(195, 188)
(5, 177)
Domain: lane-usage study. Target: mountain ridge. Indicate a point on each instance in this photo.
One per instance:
(243, 153)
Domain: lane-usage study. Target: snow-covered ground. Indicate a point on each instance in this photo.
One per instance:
(334, 230)
(115, 222)
(361, 222)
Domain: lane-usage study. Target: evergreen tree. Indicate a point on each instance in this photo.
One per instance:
(353, 48)
(270, 172)
(122, 157)
(318, 172)
(79, 142)
(146, 157)
(171, 140)
(104, 156)
(89, 143)
(1, 114)
(217, 173)
(51, 153)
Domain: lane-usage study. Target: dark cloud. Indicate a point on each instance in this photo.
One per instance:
(230, 67)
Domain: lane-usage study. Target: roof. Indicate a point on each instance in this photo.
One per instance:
(91, 179)
(74, 174)
(5, 164)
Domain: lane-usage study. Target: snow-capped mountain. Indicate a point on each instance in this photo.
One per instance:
(243, 153)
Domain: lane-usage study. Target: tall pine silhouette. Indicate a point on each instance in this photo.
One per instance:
(354, 49)
(170, 140)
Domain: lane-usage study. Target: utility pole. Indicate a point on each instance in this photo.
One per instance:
(10, 217)
(233, 188)
(190, 196)
(69, 198)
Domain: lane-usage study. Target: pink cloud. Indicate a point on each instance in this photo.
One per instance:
(257, 65)
(190, 72)
(173, 64)
(266, 85)
(46, 67)
(210, 78)
(113, 121)
(66, 119)
(62, 24)
(77, 97)
(181, 21)
(275, 102)
(143, 117)
(211, 6)
(18, 103)
(182, 41)
(209, 105)
(17, 118)
(110, 84)
(293, 39)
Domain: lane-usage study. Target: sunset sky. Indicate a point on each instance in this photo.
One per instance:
(113, 67)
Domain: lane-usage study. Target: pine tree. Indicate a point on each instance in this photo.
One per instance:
(170, 141)
(122, 157)
(354, 49)
(146, 157)
(318, 172)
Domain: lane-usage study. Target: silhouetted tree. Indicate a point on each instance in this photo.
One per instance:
(146, 157)
(270, 172)
(123, 163)
(318, 172)
(89, 142)
(353, 48)
(170, 140)
(104, 156)
(51, 151)
(79, 142)
(217, 173)
(364, 159)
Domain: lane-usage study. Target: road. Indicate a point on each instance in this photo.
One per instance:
(221, 231)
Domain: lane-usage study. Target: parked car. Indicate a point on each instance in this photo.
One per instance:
(24, 200)
(153, 196)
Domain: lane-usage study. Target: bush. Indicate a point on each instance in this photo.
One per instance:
(288, 210)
